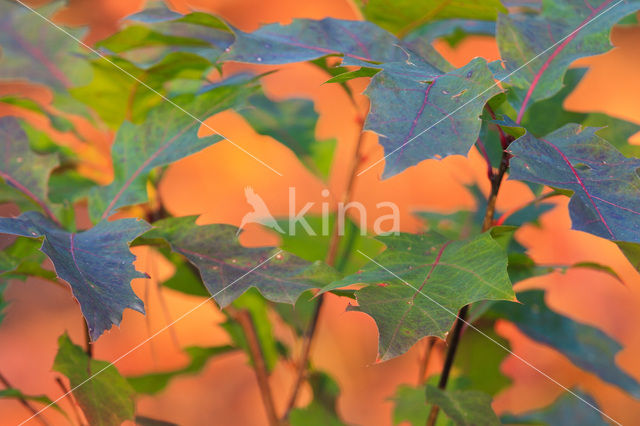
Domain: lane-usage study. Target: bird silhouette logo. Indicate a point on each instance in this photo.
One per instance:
(260, 213)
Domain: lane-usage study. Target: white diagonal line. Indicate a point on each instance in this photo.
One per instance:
(148, 87)
(181, 317)
(494, 84)
(494, 341)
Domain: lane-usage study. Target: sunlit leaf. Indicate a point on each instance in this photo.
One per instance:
(443, 275)
(322, 410)
(402, 15)
(12, 393)
(586, 346)
(96, 263)
(605, 184)
(103, 394)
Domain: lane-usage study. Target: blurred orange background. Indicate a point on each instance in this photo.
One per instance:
(211, 184)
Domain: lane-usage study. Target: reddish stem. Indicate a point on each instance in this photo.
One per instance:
(20, 187)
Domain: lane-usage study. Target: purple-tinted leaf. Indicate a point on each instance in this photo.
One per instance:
(167, 135)
(544, 45)
(20, 167)
(443, 276)
(96, 263)
(229, 269)
(605, 183)
(34, 49)
(421, 113)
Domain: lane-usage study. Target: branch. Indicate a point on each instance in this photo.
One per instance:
(24, 402)
(332, 252)
(243, 317)
(461, 319)
(87, 338)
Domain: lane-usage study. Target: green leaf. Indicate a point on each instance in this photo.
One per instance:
(21, 168)
(453, 31)
(567, 409)
(12, 393)
(154, 383)
(158, 30)
(186, 278)
(312, 244)
(116, 96)
(544, 45)
(96, 263)
(69, 186)
(631, 252)
(410, 406)
(586, 346)
(291, 122)
(398, 16)
(257, 307)
(350, 75)
(465, 408)
(421, 281)
(106, 398)
(322, 409)
(167, 135)
(228, 269)
(605, 183)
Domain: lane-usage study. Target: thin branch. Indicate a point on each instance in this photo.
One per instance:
(484, 153)
(72, 401)
(244, 319)
(462, 314)
(332, 253)
(24, 402)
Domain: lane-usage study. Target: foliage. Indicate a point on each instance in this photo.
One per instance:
(156, 81)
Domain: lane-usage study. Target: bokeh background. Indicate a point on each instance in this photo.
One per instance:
(211, 184)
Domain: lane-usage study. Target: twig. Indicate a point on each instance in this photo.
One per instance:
(243, 317)
(24, 402)
(72, 401)
(462, 314)
(332, 252)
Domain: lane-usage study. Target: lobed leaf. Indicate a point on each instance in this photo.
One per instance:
(103, 394)
(167, 135)
(586, 346)
(605, 184)
(154, 383)
(96, 263)
(228, 269)
(537, 49)
(423, 281)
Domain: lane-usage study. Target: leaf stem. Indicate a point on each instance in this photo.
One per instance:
(23, 401)
(332, 252)
(244, 319)
(461, 319)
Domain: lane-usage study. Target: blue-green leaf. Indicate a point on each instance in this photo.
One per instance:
(605, 183)
(96, 263)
